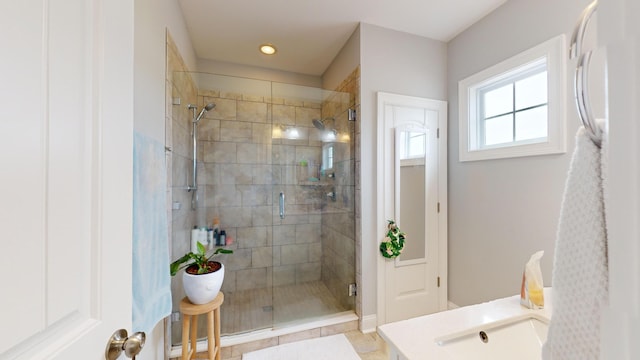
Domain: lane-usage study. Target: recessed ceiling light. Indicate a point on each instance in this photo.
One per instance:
(267, 49)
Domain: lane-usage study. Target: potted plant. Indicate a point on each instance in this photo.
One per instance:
(202, 277)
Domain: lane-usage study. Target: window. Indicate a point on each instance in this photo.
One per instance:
(515, 108)
(413, 145)
(327, 157)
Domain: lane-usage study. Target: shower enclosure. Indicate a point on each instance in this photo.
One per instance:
(275, 167)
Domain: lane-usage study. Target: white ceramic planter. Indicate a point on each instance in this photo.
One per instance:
(201, 289)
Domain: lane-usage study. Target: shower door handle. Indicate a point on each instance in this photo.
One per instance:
(281, 205)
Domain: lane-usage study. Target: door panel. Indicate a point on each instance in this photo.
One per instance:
(412, 186)
(67, 176)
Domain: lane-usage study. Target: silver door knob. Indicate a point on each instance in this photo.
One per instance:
(119, 342)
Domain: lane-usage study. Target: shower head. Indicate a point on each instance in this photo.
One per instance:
(319, 124)
(206, 108)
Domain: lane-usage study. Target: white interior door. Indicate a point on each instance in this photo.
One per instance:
(66, 138)
(412, 180)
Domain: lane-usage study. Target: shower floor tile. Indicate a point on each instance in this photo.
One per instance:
(249, 310)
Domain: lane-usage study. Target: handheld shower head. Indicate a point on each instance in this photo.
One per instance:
(204, 110)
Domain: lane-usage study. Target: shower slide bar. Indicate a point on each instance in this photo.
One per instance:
(582, 74)
(194, 134)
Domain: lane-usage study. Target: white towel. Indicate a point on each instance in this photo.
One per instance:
(580, 270)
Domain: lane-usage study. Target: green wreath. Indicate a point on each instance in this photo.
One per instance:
(394, 241)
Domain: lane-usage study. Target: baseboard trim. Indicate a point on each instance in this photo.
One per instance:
(368, 323)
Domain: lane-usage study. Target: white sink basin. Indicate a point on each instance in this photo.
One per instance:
(514, 338)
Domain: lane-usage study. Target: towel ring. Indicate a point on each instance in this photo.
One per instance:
(581, 90)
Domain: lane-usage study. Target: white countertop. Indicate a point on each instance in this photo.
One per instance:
(414, 338)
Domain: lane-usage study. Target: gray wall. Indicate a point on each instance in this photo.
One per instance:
(152, 20)
(400, 63)
(502, 211)
(343, 64)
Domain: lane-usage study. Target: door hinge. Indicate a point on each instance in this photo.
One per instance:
(438, 281)
(438, 207)
(438, 133)
(353, 290)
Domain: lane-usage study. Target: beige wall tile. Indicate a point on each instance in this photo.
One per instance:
(293, 102)
(209, 93)
(210, 174)
(253, 153)
(284, 154)
(262, 215)
(294, 254)
(284, 114)
(255, 195)
(284, 234)
(230, 95)
(251, 279)
(315, 252)
(226, 109)
(304, 116)
(235, 174)
(284, 275)
(252, 111)
(229, 283)
(262, 257)
(219, 152)
(235, 216)
(264, 174)
(224, 195)
(308, 233)
(239, 260)
(250, 237)
(209, 129)
(261, 133)
(306, 272)
(249, 97)
(237, 131)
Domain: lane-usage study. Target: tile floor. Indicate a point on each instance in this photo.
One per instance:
(257, 309)
(368, 346)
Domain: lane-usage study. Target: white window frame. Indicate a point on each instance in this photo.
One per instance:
(554, 52)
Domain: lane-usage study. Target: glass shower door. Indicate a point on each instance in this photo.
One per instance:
(314, 217)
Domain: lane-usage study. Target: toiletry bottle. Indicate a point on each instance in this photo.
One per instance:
(216, 230)
(223, 238)
(210, 239)
(195, 236)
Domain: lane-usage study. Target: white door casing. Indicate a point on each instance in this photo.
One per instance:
(66, 136)
(409, 288)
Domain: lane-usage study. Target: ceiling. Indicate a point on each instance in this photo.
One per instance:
(309, 34)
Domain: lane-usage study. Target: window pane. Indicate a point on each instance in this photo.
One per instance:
(531, 124)
(498, 101)
(416, 145)
(498, 130)
(531, 91)
(403, 144)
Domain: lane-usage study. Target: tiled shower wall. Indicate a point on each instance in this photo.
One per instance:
(248, 161)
